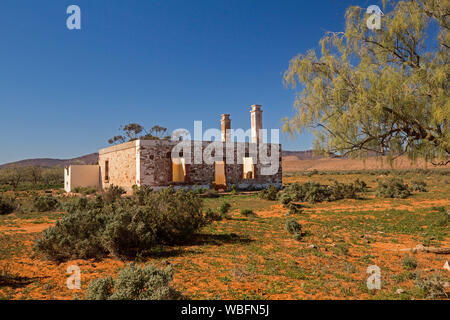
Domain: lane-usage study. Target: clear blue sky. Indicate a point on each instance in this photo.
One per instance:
(64, 93)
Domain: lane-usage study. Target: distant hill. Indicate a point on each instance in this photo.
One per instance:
(292, 161)
(93, 158)
(50, 163)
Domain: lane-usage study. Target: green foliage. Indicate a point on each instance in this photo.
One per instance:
(135, 283)
(271, 193)
(76, 235)
(360, 186)
(409, 263)
(234, 189)
(212, 215)
(295, 208)
(432, 286)
(134, 131)
(45, 203)
(112, 194)
(378, 91)
(392, 188)
(82, 204)
(85, 190)
(293, 227)
(7, 205)
(31, 178)
(224, 208)
(142, 193)
(285, 197)
(419, 186)
(167, 218)
(314, 192)
(126, 228)
(247, 213)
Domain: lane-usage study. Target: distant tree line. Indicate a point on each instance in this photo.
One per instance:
(31, 177)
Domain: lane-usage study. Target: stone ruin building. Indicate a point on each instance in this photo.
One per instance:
(163, 163)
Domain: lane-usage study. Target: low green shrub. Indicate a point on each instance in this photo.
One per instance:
(360, 186)
(76, 235)
(85, 190)
(295, 208)
(392, 188)
(234, 189)
(7, 205)
(314, 192)
(419, 186)
(293, 227)
(168, 217)
(409, 263)
(224, 207)
(82, 204)
(212, 215)
(247, 213)
(271, 193)
(45, 203)
(432, 286)
(135, 283)
(112, 194)
(125, 229)
(142, 193)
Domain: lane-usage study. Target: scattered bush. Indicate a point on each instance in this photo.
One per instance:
(270, 193)
(7, 205)
(360, 186)
(295, 208)
(124, 229)
(409, 263)
(293, 227)
(432, 286)
(167, 218)
(212, 215)
(247, 213)
(392, 188)
(76, 235)
(112, 194)
(85, 190)
(234, 189)
(142, 193)
(340, 191)
(45, 203)
(73, 205)
(285, 198)
(135, 283)
(315, 192)
(419, 186)
(225, 207)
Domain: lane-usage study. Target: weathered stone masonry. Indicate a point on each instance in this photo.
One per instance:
(161, 164)
(149, 162)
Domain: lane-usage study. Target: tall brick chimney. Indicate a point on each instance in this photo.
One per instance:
(256, 118)
(225, 124)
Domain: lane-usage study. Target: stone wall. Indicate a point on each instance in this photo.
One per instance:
(122, 165)
(149, 162)
(156, 166)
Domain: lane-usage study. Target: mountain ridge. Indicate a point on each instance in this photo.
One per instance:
(92, 158)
